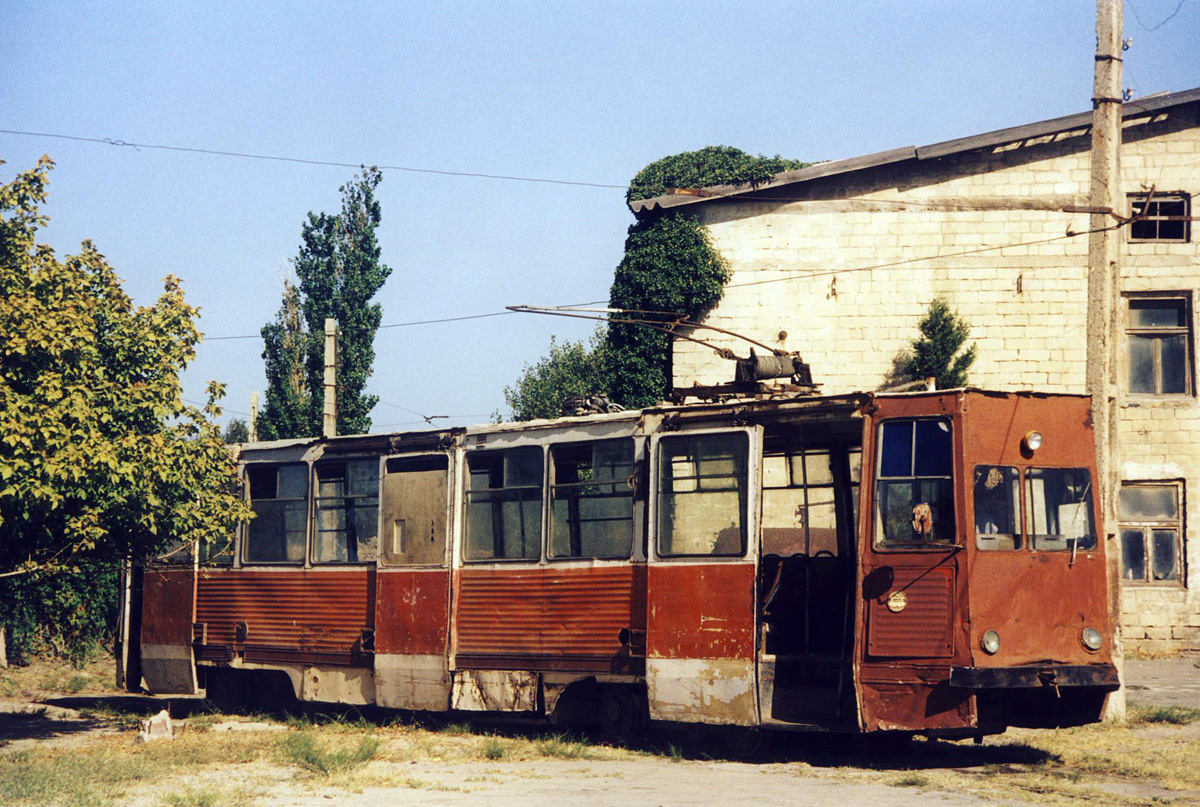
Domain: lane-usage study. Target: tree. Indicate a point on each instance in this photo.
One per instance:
(935, 354)
(338, 272)
(100, 459)
(671, 265)
(236, 431)
(571, 368)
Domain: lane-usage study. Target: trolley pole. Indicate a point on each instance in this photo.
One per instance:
(1104, 289)
(330, 415)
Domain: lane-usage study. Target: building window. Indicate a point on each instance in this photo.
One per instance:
(1160, 217)
(1151, 533)
(1159, 334)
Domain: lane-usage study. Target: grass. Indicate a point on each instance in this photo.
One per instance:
(207, 797)
(305, 751)
(1174, 715)
(493, 748)
(560, 746)
(911, 780)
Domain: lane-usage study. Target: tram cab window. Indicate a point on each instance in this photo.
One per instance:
(799, 513)
(278, 533)
(914, 488)
(702, 481)
(997, 495)
(347, 512)
(504, 505)
(591, 495)
(1059, 509)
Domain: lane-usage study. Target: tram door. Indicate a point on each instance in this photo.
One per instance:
(806, 575)
(412, 602)
(700, 664)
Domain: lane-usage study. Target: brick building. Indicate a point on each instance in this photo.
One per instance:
(840, 261)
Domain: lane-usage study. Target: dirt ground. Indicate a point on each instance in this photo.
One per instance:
(67, 739)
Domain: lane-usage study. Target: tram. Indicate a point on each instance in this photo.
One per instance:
(919, 562)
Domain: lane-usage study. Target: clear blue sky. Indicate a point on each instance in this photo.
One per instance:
(580, 91)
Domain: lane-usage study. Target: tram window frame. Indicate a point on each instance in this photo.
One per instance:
(1046, 541)
(888, 462)
(741, 488)
(534, 506)
(619, 487)
(292, 504)
(353, 497)
(998, 540)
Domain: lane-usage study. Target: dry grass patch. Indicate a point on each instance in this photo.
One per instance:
(59, 677)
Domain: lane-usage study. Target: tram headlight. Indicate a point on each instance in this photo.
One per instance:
(1032, 441)
(990, 642)
(1091, 639)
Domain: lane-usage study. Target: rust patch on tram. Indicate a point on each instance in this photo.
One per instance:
(585, 619)
(285, 616)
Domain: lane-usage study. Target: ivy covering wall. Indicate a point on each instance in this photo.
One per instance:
(671, 265)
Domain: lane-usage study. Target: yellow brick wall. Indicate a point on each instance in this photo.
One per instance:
(799, 267)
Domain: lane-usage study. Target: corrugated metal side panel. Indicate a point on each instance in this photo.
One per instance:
(167, 598)
(319, 611)
(545, 612)
(923, 629)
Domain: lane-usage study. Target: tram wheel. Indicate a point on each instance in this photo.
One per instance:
(623, 714)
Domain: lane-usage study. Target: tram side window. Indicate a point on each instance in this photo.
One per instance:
(504, 505)
(1059, 504)
(702, 482)
(997, 495)
(591, 514)
(347, 512)
(278, 533)
(914, 490)
(799, 514)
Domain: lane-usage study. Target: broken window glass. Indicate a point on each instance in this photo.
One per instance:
(278, 533)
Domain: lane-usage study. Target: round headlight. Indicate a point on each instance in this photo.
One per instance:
(990, 642)
(1091, 639)
(1033, 441)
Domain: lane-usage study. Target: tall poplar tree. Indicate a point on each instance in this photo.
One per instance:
(338, 272)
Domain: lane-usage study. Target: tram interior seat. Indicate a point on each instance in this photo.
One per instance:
(800, 588)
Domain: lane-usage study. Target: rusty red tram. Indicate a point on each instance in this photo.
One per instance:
(909, 562)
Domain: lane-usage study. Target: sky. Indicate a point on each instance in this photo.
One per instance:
(583, 92)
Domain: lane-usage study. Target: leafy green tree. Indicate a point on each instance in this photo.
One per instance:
(711, 165)
(570, 368)
(236, 431)
(339, 272)
(100, 459)
(938, 352)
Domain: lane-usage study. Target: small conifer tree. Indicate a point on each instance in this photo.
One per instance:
(938, 352)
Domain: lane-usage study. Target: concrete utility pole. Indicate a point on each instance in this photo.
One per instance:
(253, 424)
(1104, 294)
(330, 421)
